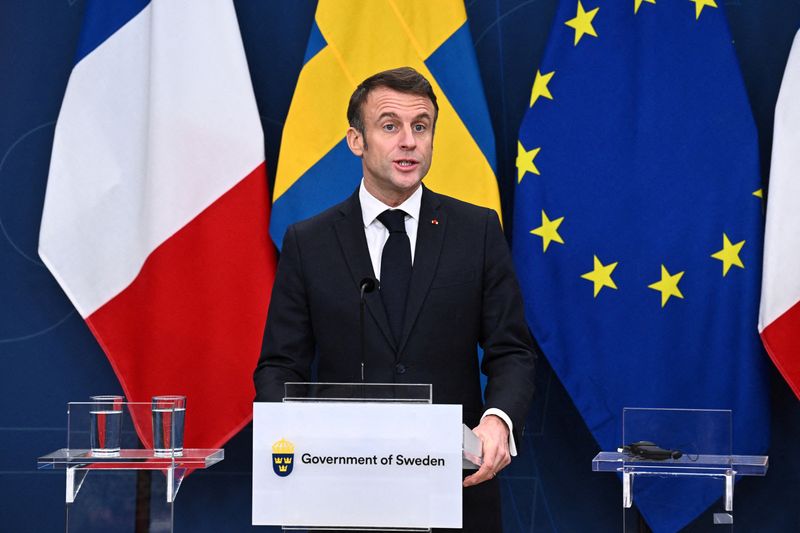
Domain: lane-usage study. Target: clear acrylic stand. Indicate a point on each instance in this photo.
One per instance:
(687, 444)
(133, 487)
(358, 392)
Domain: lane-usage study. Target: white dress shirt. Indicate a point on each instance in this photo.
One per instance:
(377, 235)
(376, 232)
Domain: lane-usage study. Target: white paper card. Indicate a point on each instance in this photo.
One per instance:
(357, 465)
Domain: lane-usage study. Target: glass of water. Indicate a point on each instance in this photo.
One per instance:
(169, 413)
(106, 419)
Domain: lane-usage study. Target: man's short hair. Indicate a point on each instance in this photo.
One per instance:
(403, 79)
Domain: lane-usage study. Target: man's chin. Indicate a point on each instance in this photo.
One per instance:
(407, 180)
(407, 187)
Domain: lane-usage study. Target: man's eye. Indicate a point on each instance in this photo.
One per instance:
(389, 127)
(419, 128)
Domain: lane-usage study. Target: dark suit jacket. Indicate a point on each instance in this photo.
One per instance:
(463, 293)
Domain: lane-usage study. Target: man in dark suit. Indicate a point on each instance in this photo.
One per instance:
(446, 285)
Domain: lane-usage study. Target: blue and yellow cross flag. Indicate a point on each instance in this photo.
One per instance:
(351, 41)
(638, 225)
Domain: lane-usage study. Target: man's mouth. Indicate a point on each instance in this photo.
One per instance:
(405, 163)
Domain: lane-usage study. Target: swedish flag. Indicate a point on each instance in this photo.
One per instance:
(350, 41)
(638, 223)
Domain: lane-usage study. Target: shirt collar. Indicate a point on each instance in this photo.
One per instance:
(371, 207)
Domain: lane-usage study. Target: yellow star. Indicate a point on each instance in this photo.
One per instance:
(638, 3)
(525, 161)
(759, 193)
(548, 231)
(667, 285)
(729, 255)
(601, 276)
(582, 23)
(700, 4)
(540, 87)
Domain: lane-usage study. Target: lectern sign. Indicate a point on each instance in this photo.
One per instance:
(357, 465)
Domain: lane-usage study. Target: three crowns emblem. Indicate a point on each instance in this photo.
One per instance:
(282, 457)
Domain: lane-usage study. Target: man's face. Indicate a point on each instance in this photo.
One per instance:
(399, 143)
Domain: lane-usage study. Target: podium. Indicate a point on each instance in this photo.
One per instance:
(359, 456)
(682, 445)
(124, 490)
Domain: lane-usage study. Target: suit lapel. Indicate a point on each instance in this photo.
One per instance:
(430, 236)
(350, 232)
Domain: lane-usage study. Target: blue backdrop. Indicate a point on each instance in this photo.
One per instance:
(49, 357)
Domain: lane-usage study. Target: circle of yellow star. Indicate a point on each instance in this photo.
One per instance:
(667, 285)
(548, 231)
(540, 87)
(729, 255)
(601, 275)
(582, 23)
(700, 4)
(525, 161)
(638, 3)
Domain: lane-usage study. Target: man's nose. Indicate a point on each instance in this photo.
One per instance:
(407, 139)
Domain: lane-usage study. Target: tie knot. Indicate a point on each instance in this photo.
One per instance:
(394, 220)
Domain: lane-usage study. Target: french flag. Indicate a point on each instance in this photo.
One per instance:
(156, 214)
(779, 317)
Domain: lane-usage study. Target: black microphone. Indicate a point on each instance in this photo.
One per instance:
(650, 450)
(367, 285)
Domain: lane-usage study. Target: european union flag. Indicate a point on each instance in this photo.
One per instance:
(638, 223)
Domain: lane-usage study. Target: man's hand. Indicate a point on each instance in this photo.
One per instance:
(493, 433)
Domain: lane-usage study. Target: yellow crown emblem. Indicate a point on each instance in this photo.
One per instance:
(283, 446)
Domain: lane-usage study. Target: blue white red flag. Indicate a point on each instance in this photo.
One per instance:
(156, 214)
(779, 319)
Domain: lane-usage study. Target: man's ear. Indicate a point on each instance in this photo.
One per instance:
(355, 141)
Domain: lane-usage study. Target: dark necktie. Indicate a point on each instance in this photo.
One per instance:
(395, 269)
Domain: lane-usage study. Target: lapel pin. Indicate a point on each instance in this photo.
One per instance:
(435, 222)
